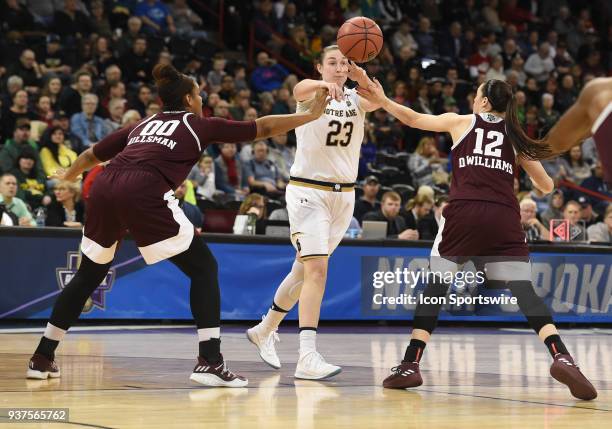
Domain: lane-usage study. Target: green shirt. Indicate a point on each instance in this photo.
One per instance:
(19, 209)
(11, 151)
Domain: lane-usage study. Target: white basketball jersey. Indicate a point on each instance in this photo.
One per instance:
(328, 148)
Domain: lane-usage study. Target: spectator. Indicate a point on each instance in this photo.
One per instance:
(54, 59)
(215, 76)
(192, 212)
(596, 183)
(263, 174)
(116, 109)
(255, 204)
(534, 229)
(16, 18)
(187, 21)
(126, 42)
(387, 132)
(52, 89)
(601, 232)
(156, 17)
(13, 147)
(540, 198)
(517, 67)
(203, 177)
(556, 201)
(574, 166)
(425, 39)
(281, 105)
(143, 98)
(99, 22)
(12, 204)
(136, 63)
(28, 69)
(71, 140)
(491, 15)
(368, 202)
(18, 110)
(389, 212)
(567, 94)
(496, 71)
(70, 99)
(227, 90)
(281, 155)
(563, 60)
(424, 161)
(509, 52)
(70, 23)
(571, 212)
(30, 182)
(417, 216)
(103, 56)
(586, 211)
(66, 210)
(402, 37)
(268, 75)
(548, 116)
(540, 64)
(479, 61)
(54, 154)
(130, 117)
(222, 110)
(228, 171)
(86, 125)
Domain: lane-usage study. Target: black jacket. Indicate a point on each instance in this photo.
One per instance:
(394, 227)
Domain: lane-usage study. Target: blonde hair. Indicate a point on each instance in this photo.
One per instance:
(391, 195)
(130, 115)
(419, 200)
(75, 188)
(324, 52)
(422, 143)
(249, 202)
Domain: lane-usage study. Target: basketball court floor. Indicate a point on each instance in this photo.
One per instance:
(138, 377)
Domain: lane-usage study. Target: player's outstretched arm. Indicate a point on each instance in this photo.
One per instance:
(85, 161)
(447, 122)
(274, 125)
(306, 89)
(538, 175)
(359, 75)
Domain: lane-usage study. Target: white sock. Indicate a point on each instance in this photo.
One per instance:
(308, 341)
(206, 334)
(54, 333)
(271, 320)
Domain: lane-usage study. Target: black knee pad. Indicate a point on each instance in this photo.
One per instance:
(532, 306)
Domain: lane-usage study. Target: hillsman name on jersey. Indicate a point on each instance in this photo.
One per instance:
(153, 139)
(476, 160)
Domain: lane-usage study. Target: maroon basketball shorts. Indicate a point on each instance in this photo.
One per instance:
(482, 231)
(602, 134)
(142, 202)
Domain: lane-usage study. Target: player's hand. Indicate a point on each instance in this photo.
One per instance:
(374, 93)
(335, 91)
(357, 74)
(62, 174)
(320, 102)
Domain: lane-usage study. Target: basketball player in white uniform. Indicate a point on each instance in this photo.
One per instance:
(320, 200)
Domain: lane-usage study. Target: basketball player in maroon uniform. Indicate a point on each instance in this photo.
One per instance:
(135, 193)
(590, 115)
(482, 221)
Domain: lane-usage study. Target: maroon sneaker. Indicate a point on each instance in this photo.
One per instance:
(567, 372)
(41, 368)
(216, 375)
(405, 375)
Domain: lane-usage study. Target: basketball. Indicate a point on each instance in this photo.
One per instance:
(360, 39)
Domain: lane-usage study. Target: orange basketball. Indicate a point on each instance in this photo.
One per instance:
(360, 39)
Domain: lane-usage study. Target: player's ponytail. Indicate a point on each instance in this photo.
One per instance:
(502, 99)
(172, 86)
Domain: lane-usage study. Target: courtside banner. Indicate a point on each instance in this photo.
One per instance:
(36, 266)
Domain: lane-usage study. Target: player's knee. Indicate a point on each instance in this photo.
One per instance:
(315, 270)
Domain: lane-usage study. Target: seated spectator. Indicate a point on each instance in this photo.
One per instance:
(12, 204)
(70, 99)
(567, 94)
(601, 232)
(130, 117)
(116, 109)
(402, 37)
(556, 201)
(192, 212)
(417, 216)
(596, 183)
(389, 212)
(548, 116)
(156, 17)
(54, 60)
(125, 43)
(281, 155)
(228, 171)
(19, 109)
(30, 181)
(215, 76)
(28, 69)
(368, 202)
(280, 215)
(268, 75)
(71, 23)
(52, 89)
(586, 211)
(186, 21)
(71, 140)
(17, 18)
(66, 210)
(43, 112)
(424, 161)
(54, 154)
(386, 131)
(571, 212)
(99, 22)
(227, 90)
(103, 56)
(202, 176)
(540, 64)
(534, 229)
(136, 63)
(13, 147)
(86, 125)
(496, 71)
(574, 168)
(263, 174)
(255, 204)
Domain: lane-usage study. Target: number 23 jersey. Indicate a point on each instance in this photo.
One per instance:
(328, 148)
(484, 163)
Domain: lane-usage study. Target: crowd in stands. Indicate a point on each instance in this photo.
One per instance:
(73, 71)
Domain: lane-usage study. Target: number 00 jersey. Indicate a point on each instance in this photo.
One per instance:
(328, 148)
(484, 163)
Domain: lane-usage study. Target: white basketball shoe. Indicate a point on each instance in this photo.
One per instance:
(312, 366)
(264, 340)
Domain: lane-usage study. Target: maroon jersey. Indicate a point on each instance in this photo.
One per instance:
(170, 143)
(484, 163)
(602, 134)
